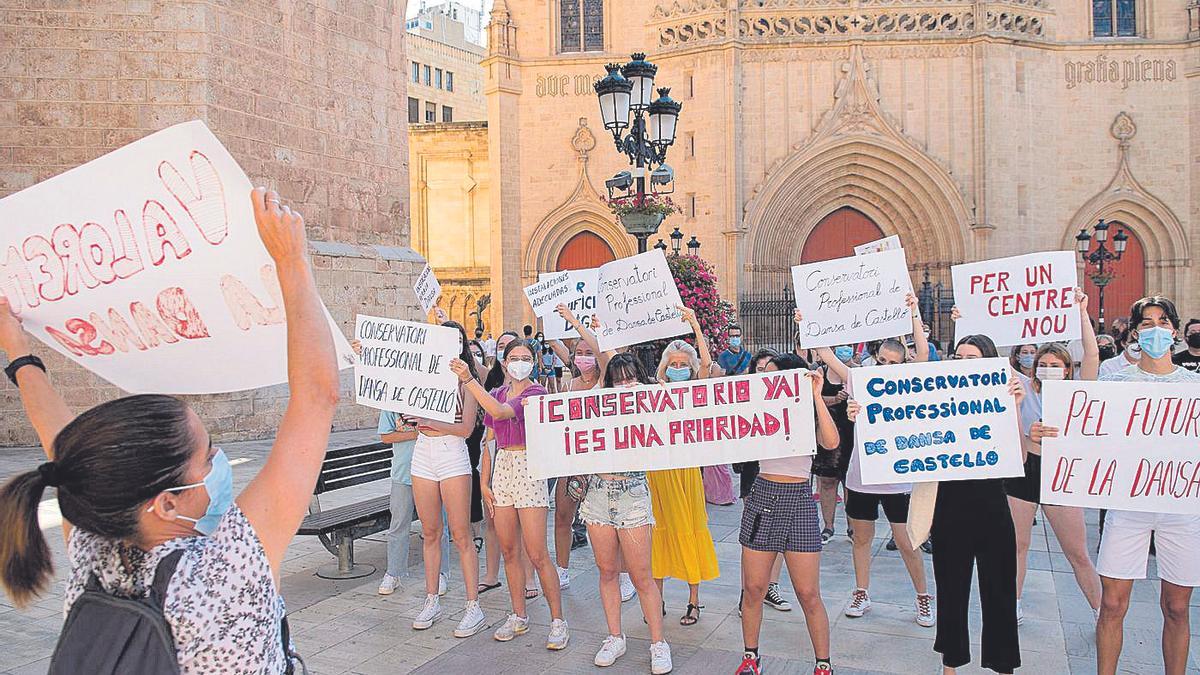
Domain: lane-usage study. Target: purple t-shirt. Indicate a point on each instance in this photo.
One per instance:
(510, 433)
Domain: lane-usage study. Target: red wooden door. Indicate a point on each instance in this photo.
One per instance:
(1128, 284)
(837, 234)
(584, 251)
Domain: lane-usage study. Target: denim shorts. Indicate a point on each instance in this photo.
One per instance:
(622, 504)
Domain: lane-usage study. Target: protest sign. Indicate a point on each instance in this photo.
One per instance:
(853, 299)
(145, 267)
(891, 243)
(1130, 446)
(581, 300)
(549, 291)
(427, 288)
(945, 420)
(698, 423)
(637, 301)
(1018, 300)
(405, 367)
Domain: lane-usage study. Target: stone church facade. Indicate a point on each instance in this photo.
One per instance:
(971, 129)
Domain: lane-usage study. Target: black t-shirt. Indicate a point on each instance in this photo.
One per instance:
(1186, 359)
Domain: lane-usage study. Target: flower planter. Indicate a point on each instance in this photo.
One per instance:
(641, 223)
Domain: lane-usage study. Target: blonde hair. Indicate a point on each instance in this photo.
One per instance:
(1059, 352)
(679, 347)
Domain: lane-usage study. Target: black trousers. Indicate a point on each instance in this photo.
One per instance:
(972, 527)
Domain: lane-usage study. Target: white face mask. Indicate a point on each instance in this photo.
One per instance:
(519, 370)
(1050, 373)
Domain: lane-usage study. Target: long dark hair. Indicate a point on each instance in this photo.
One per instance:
(625, 366)
(761, 354)
(789, 362)
(108, 463)
(495, 376)
(981, 342)
(466, 347)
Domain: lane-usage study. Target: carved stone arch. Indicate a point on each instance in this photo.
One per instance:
(557, 228)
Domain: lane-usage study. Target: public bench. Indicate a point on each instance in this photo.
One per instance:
(338, 527)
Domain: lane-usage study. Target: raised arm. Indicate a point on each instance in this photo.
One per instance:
(462, 429)
(920, 342)
(827, 433)
(689, 317)
(276, 500)
(1089, 368)
(493, 407)
(831, 361)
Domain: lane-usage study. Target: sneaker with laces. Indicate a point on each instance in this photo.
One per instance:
(1020, 614)
(926, 614)
(472, 621)
(823, 668)
(564, 580)
(513, 626)
(388, 584)
(432, 611)
(859, 603)
(627, 588)
(611, 649)
(826, 535)
(442, 582)
(751, 665)
(660, 658)
(775, 600)
(559, 635)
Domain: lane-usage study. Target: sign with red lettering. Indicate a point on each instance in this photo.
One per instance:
(1025, 299)
(1129, 446)
(650, 427)
(145, 267)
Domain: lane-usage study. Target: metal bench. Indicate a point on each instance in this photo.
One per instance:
(337, 528)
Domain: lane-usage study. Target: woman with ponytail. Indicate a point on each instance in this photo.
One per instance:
(138, 479)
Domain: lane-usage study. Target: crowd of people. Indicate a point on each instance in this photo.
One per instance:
(140, 485)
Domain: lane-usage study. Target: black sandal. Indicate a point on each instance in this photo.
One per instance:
(687, 619)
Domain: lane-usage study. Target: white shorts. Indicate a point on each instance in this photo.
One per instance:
(1125, 546)
(440, 457)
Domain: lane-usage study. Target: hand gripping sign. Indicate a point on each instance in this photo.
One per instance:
(145, 267)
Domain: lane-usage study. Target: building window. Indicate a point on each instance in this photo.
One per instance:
(581, 25)
(414, 110)
(430, 111)
(449, 81)
(428, 76)
(447, 114)
(1114, 18)
(416, 72)
(437, 78)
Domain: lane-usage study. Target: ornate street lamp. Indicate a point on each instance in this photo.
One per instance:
(693, 246)
(676, 241)
(627, 102)
(661, 246)
(1101, 257)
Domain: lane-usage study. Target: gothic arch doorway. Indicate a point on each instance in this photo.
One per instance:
(584, 251)
(836, 235)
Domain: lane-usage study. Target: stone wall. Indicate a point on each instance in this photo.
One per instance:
(309, 99)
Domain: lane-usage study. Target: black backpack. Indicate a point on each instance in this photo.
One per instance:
(109, 635)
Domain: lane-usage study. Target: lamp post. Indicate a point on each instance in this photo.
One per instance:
(1101, 257)
(626, 103)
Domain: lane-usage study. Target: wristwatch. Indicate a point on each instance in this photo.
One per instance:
(20, 362)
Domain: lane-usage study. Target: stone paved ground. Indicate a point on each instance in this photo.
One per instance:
(345, 627)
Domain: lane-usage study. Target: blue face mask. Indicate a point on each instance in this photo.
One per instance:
(1155, 342)
(679, 374)
(735, 343)
(843, 354)
(219, 485)
(1026, 360)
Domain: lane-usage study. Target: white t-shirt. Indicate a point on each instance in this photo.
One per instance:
(1116, 363)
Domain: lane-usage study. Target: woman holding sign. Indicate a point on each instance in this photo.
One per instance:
(143, 490)
(512, 496)
(682, 544)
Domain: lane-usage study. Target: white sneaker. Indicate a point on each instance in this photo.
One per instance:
(564, 581)
(612, 649)
(660, 658)
(388, 584)
(926, 613)
(513, 626)
(432, 611)
(558, 635)
(1020, 614)
(472, 621)
(627, 588)
(859, 603)
(442, 583)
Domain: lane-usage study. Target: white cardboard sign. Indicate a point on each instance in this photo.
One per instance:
(1130, 446)
(581, 300)
(650, 427)
(145, 267)
(854, 299)
(637, 301)
(549, 292)
(427, 288)
(405, 367)
(944, 420)
(1018, 300)
(891, 243)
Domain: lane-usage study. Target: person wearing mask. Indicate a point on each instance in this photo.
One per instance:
(512, 496)
(1124, 548)
(1107, 345)
(933, 348)
(1189, 358)
(1052, 362)
(734, 360)
(617, 511)
(138, 479)
(682, 544)
(1130, 355)
(1022, 358)
(834, 393)
(780, 520)
(549, 378)
(496, 377)
(475, 453)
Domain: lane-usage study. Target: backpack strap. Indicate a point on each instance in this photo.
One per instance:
(162, 577)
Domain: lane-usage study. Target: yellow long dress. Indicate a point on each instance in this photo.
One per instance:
(682, 547)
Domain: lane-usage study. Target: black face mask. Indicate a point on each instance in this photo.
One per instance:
(1193, 340)
(1107, 352)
